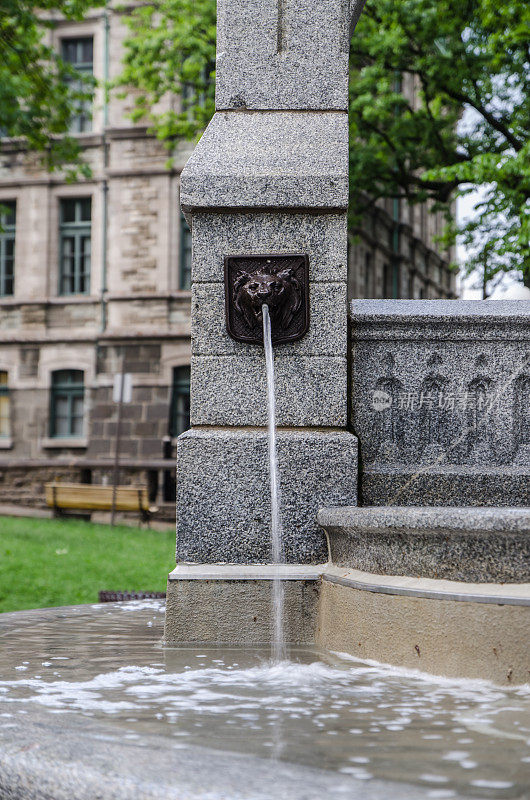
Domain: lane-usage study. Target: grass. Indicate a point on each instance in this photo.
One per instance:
(63, 562)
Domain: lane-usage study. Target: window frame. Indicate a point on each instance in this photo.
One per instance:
(82, 119)
(80, 231)
(7, 237)
(185, 255)
(180, 388)
(70, 389)
(5, 393)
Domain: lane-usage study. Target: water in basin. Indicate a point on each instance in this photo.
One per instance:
(367, 721)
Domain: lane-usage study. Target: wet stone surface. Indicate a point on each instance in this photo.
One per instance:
(88, 698)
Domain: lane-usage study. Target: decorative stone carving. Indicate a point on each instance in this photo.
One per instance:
(387, 431)
(462, 422)
(434, 419)
(479, 408)
(281, 282)
(521, 418)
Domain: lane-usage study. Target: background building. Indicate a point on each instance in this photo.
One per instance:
(94, 280)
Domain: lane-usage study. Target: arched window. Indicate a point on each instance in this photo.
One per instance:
(67, 403)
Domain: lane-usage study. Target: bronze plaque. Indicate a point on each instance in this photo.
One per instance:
(280, 281)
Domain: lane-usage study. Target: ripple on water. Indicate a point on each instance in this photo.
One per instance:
(324, 710)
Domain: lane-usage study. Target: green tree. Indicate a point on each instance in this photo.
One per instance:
(467, 127)
(37, 101)
(171, 49)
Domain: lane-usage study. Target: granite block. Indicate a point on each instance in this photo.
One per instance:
(282, 55)
(231, 390)
(441, 401)
(223, 500)
(458, 544)
(327, 333)
(269, 159)
(321, 236)
(446, 486)
(192, 609)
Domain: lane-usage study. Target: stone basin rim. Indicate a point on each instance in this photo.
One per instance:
(463, 520)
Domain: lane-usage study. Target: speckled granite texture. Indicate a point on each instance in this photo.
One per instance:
(223, 498)
(228, 377)
(269, 175)
(321, 236)
(277, 159)
(441, 401)
(295, 55)
(463, 544)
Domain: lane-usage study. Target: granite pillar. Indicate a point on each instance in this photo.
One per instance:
(269, 175)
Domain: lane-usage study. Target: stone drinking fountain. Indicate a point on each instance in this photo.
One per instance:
(401, 437)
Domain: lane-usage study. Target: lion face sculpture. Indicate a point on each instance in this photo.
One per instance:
(279, 291)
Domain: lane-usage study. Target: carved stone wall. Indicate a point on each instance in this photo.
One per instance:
(440, 401)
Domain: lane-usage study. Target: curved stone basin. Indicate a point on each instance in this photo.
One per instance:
(490, 545)
(91, 705)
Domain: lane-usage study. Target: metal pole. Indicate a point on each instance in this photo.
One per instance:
(116, 473)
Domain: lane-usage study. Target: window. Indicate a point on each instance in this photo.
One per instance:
(185, 254)
(387, 283)
(179, 413)
(74, 246)
(5, 409)
(7, 247)
(367, 274)
(391, 280)
(194, 93)
(67, 403)
(79, 54)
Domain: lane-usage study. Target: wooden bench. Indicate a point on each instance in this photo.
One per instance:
(93, 497)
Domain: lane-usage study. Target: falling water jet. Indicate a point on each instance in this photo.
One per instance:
(278, 649)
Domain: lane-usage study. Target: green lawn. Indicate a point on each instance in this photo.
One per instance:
(62, 562)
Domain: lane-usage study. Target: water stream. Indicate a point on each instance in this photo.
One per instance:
(278, 649)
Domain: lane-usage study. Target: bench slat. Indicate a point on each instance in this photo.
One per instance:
(96, 498)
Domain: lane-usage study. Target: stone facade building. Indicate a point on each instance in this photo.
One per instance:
(94, 280)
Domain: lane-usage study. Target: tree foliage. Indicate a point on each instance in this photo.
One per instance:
(470, 63)
(171, 50)
(467, 127)
(37, 101)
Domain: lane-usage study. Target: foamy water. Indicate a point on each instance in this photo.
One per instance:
(453, 738)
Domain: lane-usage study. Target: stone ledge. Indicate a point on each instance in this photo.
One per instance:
(429, 588)
(245, 572)
(435, 311)
(476, 321)
(68, 442)
(269, 159)
(482, 638)
(400, 585)
(463, 544)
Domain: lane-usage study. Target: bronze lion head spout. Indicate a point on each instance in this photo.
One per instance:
(281, 282)
(280, 291)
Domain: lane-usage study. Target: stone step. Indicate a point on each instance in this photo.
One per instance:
(490, 544)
